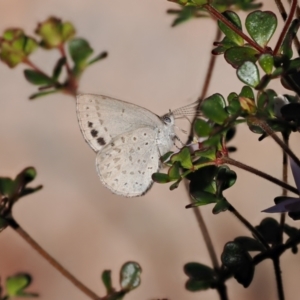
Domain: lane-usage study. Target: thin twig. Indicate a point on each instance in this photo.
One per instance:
(52, 261)
(230, 161)
(276, 264)
(267, 129)
(255, 232)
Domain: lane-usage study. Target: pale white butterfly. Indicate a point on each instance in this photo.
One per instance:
(128, 139)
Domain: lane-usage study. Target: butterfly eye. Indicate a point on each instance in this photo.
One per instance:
(167, 119)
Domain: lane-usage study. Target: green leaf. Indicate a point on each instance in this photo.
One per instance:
(265, 102)
(222, 46)
(247, 92)
(270, 229)
(185, 14)
(213, 108)
(174, 171)
(42, 94)
(175, 185)
(286, 47)
(248, 73)
(237, 55)
(15, 286)
(37, 78)
(266, 61)
(209, 153)
(249, 244)
(184, 157)
(160, 178)
(202, 128)
(130, 276)
(106, 279)
(7, 186)
(221, 206)
(100, 56)
(26, 176)
(58, 68)
(229, 33)
(261, 26)
(80, 50)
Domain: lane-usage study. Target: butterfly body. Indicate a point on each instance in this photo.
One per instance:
(128, 139)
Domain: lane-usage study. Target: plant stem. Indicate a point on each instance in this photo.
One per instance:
(285, 137)
(276, 264)
(230, 161)
(17, 228)
(206, 237)
(286, 27)
(267, 129)
(249, 227)
(224, 20)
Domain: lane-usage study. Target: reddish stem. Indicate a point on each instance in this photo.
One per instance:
(286, 26)
(224, 20)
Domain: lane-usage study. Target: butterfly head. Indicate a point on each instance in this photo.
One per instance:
(168, 119)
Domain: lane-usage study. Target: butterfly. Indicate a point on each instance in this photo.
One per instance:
(128, 140)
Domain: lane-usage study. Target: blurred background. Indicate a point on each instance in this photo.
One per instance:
(74, 217)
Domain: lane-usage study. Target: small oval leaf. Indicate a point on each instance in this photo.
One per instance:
(248, 73)
(130, 276)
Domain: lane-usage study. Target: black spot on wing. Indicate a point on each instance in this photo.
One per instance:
(94, 133)
(90, 124)
(101, 141)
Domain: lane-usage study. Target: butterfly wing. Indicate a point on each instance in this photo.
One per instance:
(102, 118)
(126, 164)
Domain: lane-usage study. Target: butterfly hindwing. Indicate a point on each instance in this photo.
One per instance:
(126, 164)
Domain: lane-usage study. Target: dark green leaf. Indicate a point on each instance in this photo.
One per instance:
(225, 178)
(221, 206)
(80, 50)
(184, 157)
(202, 128)
(194, 285)
(248, 73)
(175, 185)
(100, 56)
(199, 271)
(286, 47)
(249, 244)
(229, 33)
(58, 68)
(238, 261)
(266, 61)
(209, 153)
(106, 279)
(160, 178)
(261, 26)
(213, 108)
(203, 198)
(37, 78)
(237, 55)
(264, 82)
(130, 276)
(269, 228)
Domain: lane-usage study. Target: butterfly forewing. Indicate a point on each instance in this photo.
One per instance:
(103, 118)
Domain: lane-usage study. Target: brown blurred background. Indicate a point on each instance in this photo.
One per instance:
(74, 217)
